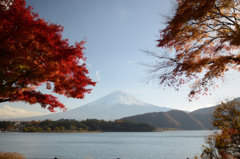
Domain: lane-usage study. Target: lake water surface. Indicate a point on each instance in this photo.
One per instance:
(146, 145)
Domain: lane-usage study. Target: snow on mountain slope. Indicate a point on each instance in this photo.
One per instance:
(117, 97)
(110, 107)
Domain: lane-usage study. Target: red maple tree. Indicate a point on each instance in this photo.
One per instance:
(32, 53)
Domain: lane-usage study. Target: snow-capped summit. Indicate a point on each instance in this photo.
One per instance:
(113, 106)
(118, 97)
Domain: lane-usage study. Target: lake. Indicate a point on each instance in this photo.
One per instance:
(109, 145)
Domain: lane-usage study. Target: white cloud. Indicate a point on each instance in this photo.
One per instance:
(98, 75)
(131, 62)
(7, 112)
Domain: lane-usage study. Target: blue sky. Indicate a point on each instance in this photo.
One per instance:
(116, 31)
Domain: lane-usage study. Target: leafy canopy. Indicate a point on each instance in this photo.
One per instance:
(32, 53)
(226, 143)
(205, 37)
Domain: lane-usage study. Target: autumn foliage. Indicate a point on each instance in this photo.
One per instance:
(34, 53)
(225, 144)
(201, 41)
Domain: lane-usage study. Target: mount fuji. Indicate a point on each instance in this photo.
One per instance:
(110, 107)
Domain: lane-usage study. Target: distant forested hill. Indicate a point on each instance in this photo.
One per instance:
(204, 116)
(176, 119)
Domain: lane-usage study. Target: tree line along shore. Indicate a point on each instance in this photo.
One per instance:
(71, 125)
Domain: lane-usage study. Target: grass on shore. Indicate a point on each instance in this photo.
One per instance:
(11, 155)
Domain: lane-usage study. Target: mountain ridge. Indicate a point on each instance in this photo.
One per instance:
(115, 105)
(199, 119)
(174, 119)
(120, 105)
